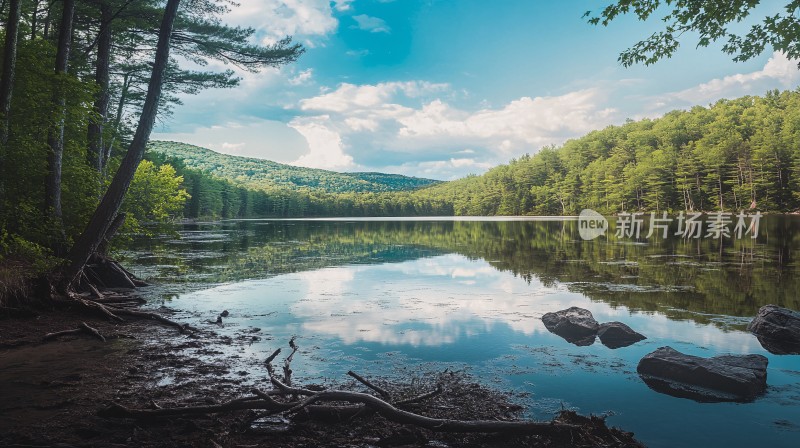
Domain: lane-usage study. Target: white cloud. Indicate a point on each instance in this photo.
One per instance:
(534, 121)
(264, 139)
(371, 24)
(232, 147)
(449, 169)
(343, 5)
(778, 70)
(357, 53)
(361, 124)
(352, 98)
(302, 78)
(416, 117)
(326, 149)
(274, 19)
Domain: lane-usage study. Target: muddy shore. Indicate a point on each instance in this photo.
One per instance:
(51, 393)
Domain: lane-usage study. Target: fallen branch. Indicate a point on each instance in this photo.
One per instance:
(117, 410)
(345, 405)
(377, 389)
(270, 358)
(96, 306)
(117, 300)
(422, 397)
(287, 370)
(147, 315)
(82, 328)
(438, 424)
(288, 390)
(382, 407)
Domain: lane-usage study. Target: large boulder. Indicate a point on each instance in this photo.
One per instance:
(616, 334)
(720, 378)
(576, 325)
(777, 329)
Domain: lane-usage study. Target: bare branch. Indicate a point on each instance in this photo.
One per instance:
(374, 387)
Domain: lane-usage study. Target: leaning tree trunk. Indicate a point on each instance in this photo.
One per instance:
(98, 225)
(55, 138)
(7, 86)
(96, 151)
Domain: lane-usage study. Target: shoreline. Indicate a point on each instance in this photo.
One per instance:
(56, 389)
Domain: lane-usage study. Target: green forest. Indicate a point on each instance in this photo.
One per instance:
(78, 101)
(733, 155)
(81, 87)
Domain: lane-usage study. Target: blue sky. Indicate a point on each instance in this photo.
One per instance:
(445, 88)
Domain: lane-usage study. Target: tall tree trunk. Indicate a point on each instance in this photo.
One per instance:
(6, 88)
(46, 30)
(9, 64)
(96, 150)
(55, 138)
(34, 17)
(100, 221)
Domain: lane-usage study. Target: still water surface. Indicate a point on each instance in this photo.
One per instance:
(393, 297)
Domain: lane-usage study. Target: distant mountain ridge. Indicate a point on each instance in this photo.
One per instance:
(265, 174)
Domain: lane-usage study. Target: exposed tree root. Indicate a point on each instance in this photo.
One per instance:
(114, 310)
(157, 317)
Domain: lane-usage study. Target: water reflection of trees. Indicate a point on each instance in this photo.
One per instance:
(681, 279)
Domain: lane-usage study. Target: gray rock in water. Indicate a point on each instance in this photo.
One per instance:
(777, 329)
(576, 325)
(616, 335)
(720, 378)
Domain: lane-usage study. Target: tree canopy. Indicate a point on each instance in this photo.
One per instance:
(78, 93)
(711, 21)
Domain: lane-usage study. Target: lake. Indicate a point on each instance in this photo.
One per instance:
(398, 296)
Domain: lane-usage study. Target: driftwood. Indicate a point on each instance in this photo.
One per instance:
(372, 402)
(118, 411)
(391, 412)
(285, 398)
(383, 392)
(287, 370)
(82, 328)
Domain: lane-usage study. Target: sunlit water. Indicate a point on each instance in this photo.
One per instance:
(384, 298)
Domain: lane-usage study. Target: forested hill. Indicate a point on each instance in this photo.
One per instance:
(267, 175)
(735, 154)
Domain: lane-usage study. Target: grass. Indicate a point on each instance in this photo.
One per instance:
(15, 282)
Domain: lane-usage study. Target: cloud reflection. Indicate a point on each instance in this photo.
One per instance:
(435, 301)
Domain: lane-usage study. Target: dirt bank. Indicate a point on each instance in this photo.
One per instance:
(51, 393)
